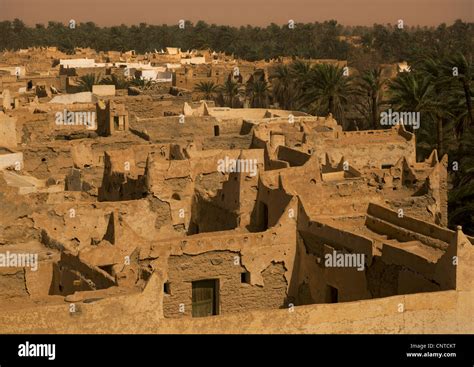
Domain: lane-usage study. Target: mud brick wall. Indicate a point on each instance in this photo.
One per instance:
(234, 296)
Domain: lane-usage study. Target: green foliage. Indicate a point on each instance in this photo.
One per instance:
(326, 90)
(230, 91)
(208, 89)
(464, 68)
(141, 83)
(368, 89)
(444, 99)
(461, 196)
(411, 92)
(119, 82)
(258, 92)
(284, 88)
(86, 82)
(307, 40)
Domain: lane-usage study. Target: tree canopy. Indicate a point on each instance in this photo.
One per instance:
(306, 40)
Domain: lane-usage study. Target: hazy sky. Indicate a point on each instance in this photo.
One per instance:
(238, 12)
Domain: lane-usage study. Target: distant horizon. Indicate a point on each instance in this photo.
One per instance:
(106, 13)
(433, 26)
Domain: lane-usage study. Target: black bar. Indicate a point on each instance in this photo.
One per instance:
(336, 350)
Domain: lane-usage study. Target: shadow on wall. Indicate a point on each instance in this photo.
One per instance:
(208, 215)
(268, 209)
(70, 275)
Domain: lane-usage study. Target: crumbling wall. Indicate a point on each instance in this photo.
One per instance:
(366, 148)
(270, 206)
(411, 224)
(73, 275)
(339, 238)
(227, 142)
(12, 283)
(234, 296)
(121, 180)
(315, 280)
(45, 161)
(292, 156)
(208, 216)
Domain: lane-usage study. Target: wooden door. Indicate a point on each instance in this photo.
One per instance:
(205, 298)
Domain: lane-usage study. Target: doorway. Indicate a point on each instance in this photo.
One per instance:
(332, 294)
(205, 299)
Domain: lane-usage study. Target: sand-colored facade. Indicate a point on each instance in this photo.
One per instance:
(173, 215)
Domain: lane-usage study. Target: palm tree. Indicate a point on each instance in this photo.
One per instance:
(370, 89)
(142, 83)
(458, 112)
(411, 92)
(229, 90)
(283, 86)
(432, 70)
(461, 197)
(326, 91)
(86, 82)
(208, 89)
(465, 71)
(119, 82)
(288, 83)
(257, 90)
(415, 92)
(300, 70)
